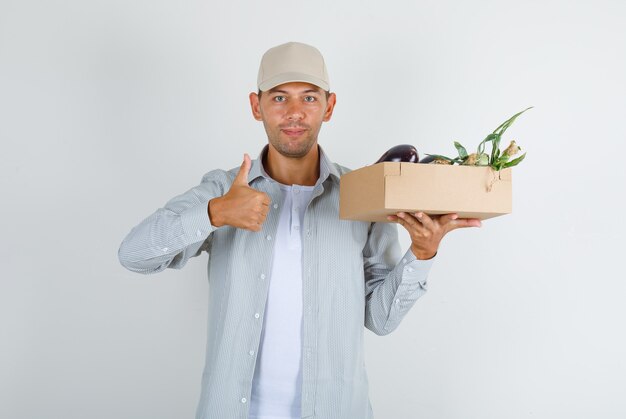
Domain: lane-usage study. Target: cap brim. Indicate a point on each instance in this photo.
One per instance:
(291, 77)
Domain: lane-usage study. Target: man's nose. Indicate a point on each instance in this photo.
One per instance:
(295, 112)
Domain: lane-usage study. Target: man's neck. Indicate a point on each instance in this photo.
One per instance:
(289, 170)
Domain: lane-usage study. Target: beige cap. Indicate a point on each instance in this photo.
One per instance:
(292, 61)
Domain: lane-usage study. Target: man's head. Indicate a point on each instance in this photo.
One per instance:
(293, 97)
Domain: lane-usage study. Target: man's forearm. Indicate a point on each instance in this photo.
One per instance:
(176, 232)
(153, 245)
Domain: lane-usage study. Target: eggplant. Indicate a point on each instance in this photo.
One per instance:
(428, 159)
(404, 153)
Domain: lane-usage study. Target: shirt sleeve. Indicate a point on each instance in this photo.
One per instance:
(392, 283)
(171, 235)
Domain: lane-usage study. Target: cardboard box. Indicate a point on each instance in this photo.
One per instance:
(373, 192)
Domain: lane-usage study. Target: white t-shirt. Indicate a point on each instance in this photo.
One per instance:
(277, 382)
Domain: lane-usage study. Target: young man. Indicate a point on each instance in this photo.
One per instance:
(291, 285)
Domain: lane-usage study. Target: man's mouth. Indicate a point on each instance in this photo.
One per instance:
(293, 132)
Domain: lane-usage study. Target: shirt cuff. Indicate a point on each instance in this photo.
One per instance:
(196, 222)
(415, 270)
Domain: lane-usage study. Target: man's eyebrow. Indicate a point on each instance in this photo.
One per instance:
(274, 90)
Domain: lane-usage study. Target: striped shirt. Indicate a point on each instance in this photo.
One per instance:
(353, 275)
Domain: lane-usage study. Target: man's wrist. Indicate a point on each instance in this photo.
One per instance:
(422, 254)
(213, 209)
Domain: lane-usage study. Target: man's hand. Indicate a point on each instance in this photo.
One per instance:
(242, 206)
(426, 232)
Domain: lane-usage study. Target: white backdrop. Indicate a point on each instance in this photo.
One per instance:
(110, 108)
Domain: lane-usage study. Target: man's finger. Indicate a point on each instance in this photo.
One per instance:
(242, 175)
(426, 221)
(463, 223)
(446, 221)
(409, 221)
(447, 218)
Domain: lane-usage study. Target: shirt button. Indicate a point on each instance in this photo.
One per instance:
(262, 276)
(198, 233)
(251, 353)
(398, 301)
(409, 269)
(268, 237)
(308, 233)
(165, 249)
(257, 315)
(275, 205)
(404, 260)
(243, 400)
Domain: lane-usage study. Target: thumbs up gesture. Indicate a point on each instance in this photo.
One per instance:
(242, 206)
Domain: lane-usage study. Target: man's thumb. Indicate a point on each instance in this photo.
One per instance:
(242, 176)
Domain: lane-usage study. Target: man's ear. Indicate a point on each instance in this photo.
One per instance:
(255, 105)
(330, 105)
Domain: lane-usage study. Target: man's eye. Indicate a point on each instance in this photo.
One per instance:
(309, 99)
(279, 98)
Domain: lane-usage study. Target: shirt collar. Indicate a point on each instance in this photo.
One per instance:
(327, 167)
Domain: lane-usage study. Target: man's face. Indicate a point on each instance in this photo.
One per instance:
(292, 114)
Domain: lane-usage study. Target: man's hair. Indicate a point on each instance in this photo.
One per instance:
(259, 92)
